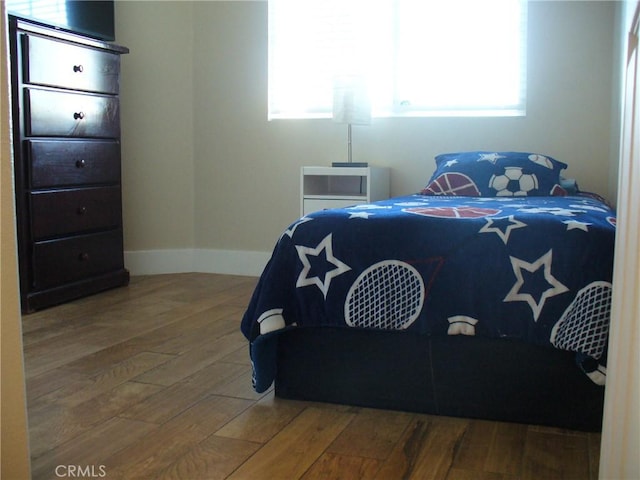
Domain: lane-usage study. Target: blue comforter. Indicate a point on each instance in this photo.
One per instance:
(536, 269)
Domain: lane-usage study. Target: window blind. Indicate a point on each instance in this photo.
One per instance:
(419, 57)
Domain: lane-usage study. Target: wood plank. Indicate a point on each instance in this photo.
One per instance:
(212, 459)
(263, 420)
(241, 356)
(50, 381)
(154, 453)
(91, 448)
(295, 448)
(239, 387)
(203, 354)
(507, 449)
(173, 400)
(91, 387)
(58, 326)
(52, 425)
(55, 352)
(141, 315)
(104, 358)
(594, 440)
(372, 433)
(158, 339)
(461, 474)
(426, 450)
(495, 447)
(475, 446)
(549, 455)
(212, 323)
(331, 465)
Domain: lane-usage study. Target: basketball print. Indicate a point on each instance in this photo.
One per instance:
(558, 191)
(456, 184)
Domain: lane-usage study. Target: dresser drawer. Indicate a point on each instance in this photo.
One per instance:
(59, 163)
(63, 261)
(58, 64)
(63, 212)
(51, 113)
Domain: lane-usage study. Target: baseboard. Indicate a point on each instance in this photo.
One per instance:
(230, 262)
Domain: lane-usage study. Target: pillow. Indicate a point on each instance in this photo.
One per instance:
(496, 174)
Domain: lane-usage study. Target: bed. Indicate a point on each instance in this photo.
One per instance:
(485, 295)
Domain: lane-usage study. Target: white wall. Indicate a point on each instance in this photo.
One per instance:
(157, 114)
(206, 172)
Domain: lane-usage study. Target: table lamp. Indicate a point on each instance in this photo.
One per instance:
(351, 105)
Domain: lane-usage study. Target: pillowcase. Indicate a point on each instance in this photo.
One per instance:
(496, 174)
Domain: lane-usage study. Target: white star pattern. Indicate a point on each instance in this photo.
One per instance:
(498, 229)
(590, 207)
(291, 230)
(492, 199)
(451, 163)
(326, 246)
(364, 215)
(576, 225)
(563, 212)
(412, 204)
(556, 288)
(490, 157)
(369, 206)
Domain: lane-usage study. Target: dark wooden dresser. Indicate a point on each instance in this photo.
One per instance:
(66, 141)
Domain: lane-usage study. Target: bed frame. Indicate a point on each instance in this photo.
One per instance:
(472, 377)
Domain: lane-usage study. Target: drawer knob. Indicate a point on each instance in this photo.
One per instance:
(81, 210)
(83, 257)
(78, 115)
(81, 163)
(78, 68)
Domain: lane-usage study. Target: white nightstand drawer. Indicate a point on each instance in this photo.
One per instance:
(339, 187)
(314, 204)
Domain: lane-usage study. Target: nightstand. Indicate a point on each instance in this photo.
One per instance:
(337, 187)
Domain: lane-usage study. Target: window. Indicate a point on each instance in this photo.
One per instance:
(420, 57)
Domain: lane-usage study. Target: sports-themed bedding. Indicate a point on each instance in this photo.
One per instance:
(498, 264)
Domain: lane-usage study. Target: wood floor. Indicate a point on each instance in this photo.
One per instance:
(153, 381)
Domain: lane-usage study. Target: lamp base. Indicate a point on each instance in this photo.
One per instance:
(349, 164)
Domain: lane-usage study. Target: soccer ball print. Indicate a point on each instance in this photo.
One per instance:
(513, 183)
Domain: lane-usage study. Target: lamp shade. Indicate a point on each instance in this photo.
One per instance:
(351, 102)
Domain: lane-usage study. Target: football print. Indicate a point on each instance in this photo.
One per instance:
(453, 212)
(541, 160)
